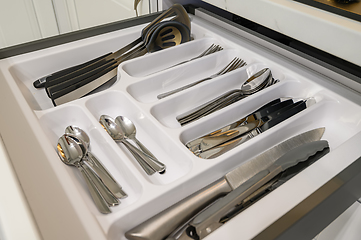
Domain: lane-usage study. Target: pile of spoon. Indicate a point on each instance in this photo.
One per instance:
(122, 129)
(73, 150)
(253, 84)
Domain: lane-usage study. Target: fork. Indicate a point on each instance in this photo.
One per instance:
(212, 49)
(234, 64)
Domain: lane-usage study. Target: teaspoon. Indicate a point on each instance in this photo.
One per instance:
(97, 166)
(129, 130)
(115, 132)
(71, 154)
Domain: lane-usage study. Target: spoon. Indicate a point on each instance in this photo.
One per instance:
(115, 132)
(129, 131)
(71, 154)
(96, 165)
(256, 82)
(98, 181)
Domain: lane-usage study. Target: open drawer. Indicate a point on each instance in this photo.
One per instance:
(58, 198)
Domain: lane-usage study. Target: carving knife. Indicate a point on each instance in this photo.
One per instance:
(161, 225)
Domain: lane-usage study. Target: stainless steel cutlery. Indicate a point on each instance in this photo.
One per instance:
(234, 64)
(103, 188)
(120, 130)
(235, 182)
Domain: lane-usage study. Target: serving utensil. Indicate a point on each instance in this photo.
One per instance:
(129, 130)
(210, 219)
(180, 16)
(164, 223)
(253, 84)
(71, 154)
(234, 64)
(163, 35)
(96, 165)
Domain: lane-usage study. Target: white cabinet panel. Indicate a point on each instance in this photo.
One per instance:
(18, 22)
(89, 13)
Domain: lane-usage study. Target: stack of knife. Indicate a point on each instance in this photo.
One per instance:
(226, 138)
(199, 214)
(80, 80)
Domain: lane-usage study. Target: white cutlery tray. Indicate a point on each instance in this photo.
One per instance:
(134, 95)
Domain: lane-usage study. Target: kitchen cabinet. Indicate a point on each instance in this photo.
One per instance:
(38, 19)
(331, 181)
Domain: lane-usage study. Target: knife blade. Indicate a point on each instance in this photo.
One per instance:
(209, 220)
(161, 225)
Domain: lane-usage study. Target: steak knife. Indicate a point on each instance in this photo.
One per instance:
(161, 225)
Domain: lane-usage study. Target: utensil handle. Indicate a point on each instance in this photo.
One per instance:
(40, 83)
(107, 178)
(154, 162)
(99, 201)
(165, 222)
(166, 94)
(140, 157)
(99, 184)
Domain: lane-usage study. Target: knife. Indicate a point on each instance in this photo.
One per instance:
(211, 147)
(161, 225)
(209, 220)
(192, 145)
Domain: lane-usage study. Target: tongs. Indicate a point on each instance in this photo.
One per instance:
(215, 215)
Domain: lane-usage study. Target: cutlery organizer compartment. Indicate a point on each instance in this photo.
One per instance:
(134, 95)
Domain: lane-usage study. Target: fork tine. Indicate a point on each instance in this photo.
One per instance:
(230, 68)
(206, 51)
(226, 67)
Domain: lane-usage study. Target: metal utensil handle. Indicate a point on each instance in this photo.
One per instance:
(150, 160)
(166, 94)
(179, 213)
(99, 201)
(140, 157)
(107, 178)
(99, 184)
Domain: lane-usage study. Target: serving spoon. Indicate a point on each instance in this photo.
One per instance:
(129, 130)
(116, 134)
(96, 165)
(71, 154)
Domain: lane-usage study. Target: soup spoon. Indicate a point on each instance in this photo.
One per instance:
(71, 154)
(96, 165)
(116, 134)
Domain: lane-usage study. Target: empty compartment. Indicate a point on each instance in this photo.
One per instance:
(54, 123)
(164, 147)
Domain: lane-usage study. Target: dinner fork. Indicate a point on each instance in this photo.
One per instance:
(234, 64)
